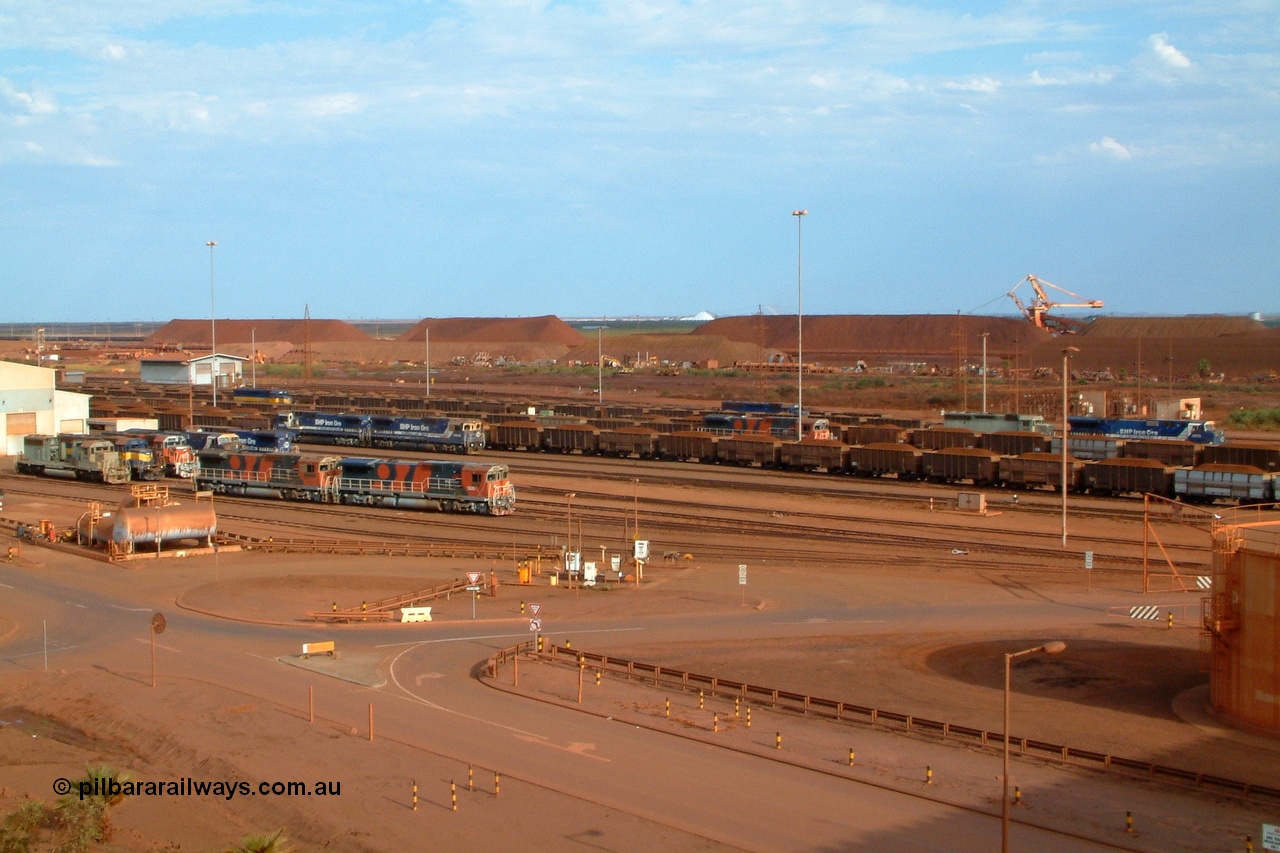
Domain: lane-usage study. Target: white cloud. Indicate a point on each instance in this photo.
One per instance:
(32, 103)
(113, 51)
(1108, 147)
(985, 85)
(1167, 53)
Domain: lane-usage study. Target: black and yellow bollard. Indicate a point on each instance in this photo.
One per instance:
(928, 775)
(497, 783)
(471, 779)
(335, 607)
(415, 795)
(777, 740)
(715, 722)
(748, 716)
(736, 703)
(522, 608)
(598, 672)
(667, 713)
(851, 758)
(699, 700)
(364, 607)
(539, 642)
(568, 645)
(453, 796)
(1128, 822)
(1248, 844)
(1170, 620)
(1017, 795)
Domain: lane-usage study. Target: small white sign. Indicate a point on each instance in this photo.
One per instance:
(535, 625)
(535, 608)
(589, 574)
(615, 562)
(642, 549)
(1088, 561)
(1270, 836)
(572, 561)
(742, 573)
(473, 577)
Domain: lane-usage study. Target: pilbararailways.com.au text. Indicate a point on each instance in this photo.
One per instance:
(188, 787)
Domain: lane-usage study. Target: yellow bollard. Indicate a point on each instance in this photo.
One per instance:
(453, 796)
(567, 644)
(777, 741)
(522, 608)
(699, 700)
(1170, 628)
(471, 779)
(851, 758)
(715, 722)
(415, 795)
(667, 713)
(736, 702)
(1128, 822)
(1017, 795)
(1248, 844)
(597, 678)
(748, 716)
(928, 775)
(497, 783)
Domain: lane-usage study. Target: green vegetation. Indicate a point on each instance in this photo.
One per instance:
(75, 825)
(1254, 419)
(273, 843)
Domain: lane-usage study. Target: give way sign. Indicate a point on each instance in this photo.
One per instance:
(473, 578)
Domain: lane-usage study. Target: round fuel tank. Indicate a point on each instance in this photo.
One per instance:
(141, 525)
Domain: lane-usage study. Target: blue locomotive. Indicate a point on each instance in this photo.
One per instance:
(1200, 432)
(450, 435)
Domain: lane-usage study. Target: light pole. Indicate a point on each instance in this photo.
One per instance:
(1050, 648)
(568, 541)
(600, 364)
(426, 340)
(253, 355)
(1066, 427)
(213, 328)
(984, 337)
(799, 215)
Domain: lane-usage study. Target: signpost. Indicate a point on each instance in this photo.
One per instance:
(1088, 569)
(742, 581)
(641, 554)
(473, 586)
(535, 624)
(158, 624)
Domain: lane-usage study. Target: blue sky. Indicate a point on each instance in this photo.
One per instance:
(406, 159)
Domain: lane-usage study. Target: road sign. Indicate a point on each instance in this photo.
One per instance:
(474, 588)
(1088, 560)
(473, 577)
(641, 549)
(1270, 836)
(742, 573)
(535, 625)
(535, 608)
(615, 562)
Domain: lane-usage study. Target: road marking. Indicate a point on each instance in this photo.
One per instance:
(575, 748)
(81, 606)
(159, 645)
(131, 609)
(523, 634)
(34, 654)
(6, 586)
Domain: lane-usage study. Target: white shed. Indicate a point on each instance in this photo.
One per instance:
(176, 370)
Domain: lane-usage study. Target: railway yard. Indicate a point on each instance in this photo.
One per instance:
(685, 705)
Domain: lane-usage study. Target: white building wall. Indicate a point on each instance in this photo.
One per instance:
(26, 403)
(71, 412)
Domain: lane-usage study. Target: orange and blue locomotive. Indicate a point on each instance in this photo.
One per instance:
(480, 487)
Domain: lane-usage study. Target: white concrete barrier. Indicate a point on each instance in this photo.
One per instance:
(415, 614)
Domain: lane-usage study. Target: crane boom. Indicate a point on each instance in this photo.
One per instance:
(1037, 310)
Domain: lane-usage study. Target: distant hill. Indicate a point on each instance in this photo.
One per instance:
(489, 330)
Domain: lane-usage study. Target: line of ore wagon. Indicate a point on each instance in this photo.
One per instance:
(1238, 472)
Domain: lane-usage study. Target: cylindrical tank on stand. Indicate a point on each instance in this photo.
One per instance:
(134, 526)
(1244, 622)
